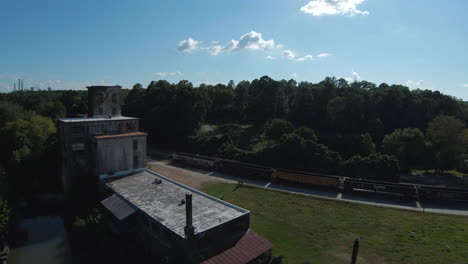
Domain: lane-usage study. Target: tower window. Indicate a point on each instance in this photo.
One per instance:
(114, 98)
(114, 111)
(135, 144)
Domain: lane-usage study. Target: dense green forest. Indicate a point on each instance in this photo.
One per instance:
(357, 129)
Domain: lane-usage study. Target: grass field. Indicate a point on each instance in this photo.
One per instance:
(310, 230)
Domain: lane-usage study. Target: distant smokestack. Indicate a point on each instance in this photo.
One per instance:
(189, 229)
(22, 84)
(14, 86)
(19, 84)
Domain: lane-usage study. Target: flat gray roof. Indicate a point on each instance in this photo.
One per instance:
(162, 202)
(94, 119)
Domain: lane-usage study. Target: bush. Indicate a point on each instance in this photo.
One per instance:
(306, 133)
(5, 218)
(278, 128)
(296, 153)
(374, 167)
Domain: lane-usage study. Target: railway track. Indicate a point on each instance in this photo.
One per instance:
(416, 192)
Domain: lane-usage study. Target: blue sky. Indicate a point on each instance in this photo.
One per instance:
(70, 44)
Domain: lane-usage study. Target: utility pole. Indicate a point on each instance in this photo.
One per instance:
(355, 250)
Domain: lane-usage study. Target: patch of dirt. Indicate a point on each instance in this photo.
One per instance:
(343, 255)
(188, 177)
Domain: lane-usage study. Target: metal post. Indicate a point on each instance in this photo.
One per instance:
(189, 229)
(355, 250)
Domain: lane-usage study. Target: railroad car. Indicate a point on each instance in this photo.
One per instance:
(244, 169)
(432, 193)
(197, 160)
(399, 189)
(296, 177)
(265, 173)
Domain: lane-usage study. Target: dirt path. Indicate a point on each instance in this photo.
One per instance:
(194, 178)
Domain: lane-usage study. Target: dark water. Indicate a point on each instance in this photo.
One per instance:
(46, 242)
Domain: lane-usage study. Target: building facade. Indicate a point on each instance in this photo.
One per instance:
(103, 142)
(106, 154)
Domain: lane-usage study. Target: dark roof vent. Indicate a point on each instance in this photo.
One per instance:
(157, 181)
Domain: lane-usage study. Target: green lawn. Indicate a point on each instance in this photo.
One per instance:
(322, 231)
(452, 172)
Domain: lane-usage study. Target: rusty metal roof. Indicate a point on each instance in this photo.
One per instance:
(248, 248)
(121, 135)
(118, 206)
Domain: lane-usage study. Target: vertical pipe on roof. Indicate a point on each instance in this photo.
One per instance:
(189, 229)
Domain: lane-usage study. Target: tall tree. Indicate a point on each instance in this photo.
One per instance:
(408, 145)
(445, 134)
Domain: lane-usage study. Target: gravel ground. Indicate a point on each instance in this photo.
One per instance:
(194, 178)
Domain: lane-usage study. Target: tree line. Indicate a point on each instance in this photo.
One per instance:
(358, 129)
(361, 129)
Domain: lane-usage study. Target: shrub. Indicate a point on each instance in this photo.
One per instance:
(374, 167)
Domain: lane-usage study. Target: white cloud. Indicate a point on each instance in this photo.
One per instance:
(324, 55)
(306, 57)
(465, 85)
(166, 74)
(270, 57)
(353, 78)
(279, 46)
(188, 45)
(289, 54)
(414, 83)
(253, 41)
(215, 50)
(333, 7)
(356, 76)
(293, 75)
(250, 41)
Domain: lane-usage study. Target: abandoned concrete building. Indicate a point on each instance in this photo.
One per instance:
(103, 143)
(177, 224)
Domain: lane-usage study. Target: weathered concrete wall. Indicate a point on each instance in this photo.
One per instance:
(76, 147)
(120, 154)
(104, 100)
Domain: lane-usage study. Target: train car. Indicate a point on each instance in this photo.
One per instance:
(398, 189)
(243, 169)
(433, 193)
(296, 177)
(196, 160)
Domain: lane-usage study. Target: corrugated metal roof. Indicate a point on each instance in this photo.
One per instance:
(118, 206)
(122, 135)
(248, 248)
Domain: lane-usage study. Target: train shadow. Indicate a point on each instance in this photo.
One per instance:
(446, 205)
(371, 197)
(237, 178)
(312, 191)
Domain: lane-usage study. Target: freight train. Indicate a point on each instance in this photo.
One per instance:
(345, 184)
